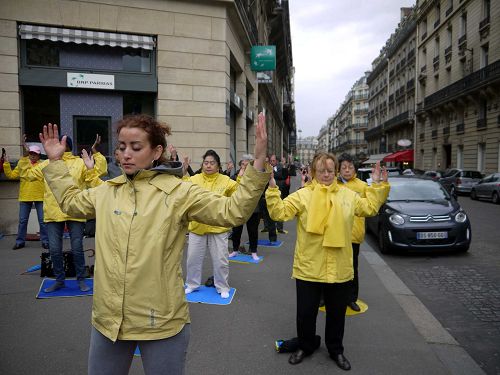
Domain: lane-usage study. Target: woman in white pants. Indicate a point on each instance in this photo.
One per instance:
(203, 236)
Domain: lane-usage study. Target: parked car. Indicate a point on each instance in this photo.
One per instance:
(435, 175)
(458, 181)
(365, 173)
(487, 188)
(413, 172)
(420, 214)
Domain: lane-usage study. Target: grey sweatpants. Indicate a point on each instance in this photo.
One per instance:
(159, 357)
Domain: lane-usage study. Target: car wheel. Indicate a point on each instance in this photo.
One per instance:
(495, 198)
(473, 195)
(383, 241)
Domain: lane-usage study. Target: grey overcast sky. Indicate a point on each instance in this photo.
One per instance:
(334, 42)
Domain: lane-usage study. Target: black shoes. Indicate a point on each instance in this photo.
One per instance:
(18, 246)
(297, 357)
(341, 361)
(354, 307)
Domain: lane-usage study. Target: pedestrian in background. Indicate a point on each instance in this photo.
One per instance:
(323, 255)
(252, 223)
(57, 220)
(30, 193)
(211, 237)
(138, 287)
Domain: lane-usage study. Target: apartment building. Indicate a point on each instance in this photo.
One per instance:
(323, 139)
(85, 64)
(351, 121)
(392, 94)
(306, 149)
(458, 90)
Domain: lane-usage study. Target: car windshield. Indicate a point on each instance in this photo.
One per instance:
(414, 189)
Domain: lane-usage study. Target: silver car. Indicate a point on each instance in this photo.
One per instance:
(487, 188)
(458, 181)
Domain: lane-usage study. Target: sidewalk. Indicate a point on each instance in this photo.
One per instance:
(396, 335)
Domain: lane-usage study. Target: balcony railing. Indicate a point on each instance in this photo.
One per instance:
(411, 53)
(424, 35)
(484, 23)
(422, 137)
(460, 128)
(447, 51)
(373, 132)
(423, 69)
(435, 63)
(360, 111)
(434, 134)
(391, 73)
(446, 130)
(481, 123)
(462, 40)
(469, 83)
(438, 21)
(402, 118)
(449, 10)
(391, 98)
(248, 20)
(410, 84)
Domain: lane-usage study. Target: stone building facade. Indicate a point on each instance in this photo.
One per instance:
(458, 90)
(306, 148)
(85, 64)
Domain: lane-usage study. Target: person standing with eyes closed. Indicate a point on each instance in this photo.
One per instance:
(213, 238)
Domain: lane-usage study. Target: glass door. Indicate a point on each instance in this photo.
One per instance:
(85, 130)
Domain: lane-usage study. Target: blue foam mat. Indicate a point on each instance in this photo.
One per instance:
(244, 258)
(70, 289)
(267, 243)
(210, 296)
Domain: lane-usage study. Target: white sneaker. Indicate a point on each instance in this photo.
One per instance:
(255, 257)
(233, 254)
(188, 290)
(224, 295)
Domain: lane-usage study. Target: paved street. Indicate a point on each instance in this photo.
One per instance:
(463, 290)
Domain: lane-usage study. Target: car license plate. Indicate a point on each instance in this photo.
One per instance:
(431, 235)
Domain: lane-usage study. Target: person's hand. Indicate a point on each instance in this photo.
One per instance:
(96, 143)
(50, 141)
(376, 173)
(260, 149)
(385, 174)
(272, 181)
(185, 164)
(88, 159)
(5, 157)
(26, 149)
(173, 152)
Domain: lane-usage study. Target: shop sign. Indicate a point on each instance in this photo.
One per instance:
(91, 81)
(265, 77)
(263, 58)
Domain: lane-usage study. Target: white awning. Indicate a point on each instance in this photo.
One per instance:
(56, 34)
(375, 157)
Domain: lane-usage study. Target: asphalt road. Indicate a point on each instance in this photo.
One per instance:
(462, 290)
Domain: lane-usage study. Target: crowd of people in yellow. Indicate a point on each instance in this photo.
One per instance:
(143, 216)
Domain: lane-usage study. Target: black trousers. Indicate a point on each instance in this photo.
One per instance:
(355, 282)
(336, 298)
(269, 224)
(252, 230)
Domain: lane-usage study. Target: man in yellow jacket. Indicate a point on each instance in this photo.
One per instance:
(56, 220)
(30, 193)
(347, 176)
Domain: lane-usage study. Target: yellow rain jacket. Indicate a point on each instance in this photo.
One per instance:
(51, 210)
(217, 183)
(313, 261)
(138, 284)
(29, 191)
(359, 187)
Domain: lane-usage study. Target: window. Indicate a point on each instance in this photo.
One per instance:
(436, 47)
(40, 106)
(486, 9)
(481, 154)
(484, 55)
(463, 24)
(84, 130)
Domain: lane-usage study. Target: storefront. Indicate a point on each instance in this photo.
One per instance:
(84, 81)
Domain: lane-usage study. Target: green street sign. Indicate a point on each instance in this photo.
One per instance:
(263, 58)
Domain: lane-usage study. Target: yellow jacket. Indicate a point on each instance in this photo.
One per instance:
(217, 183)
(138, 284)
(312, 261)
(359, 186)
(29, 191)
(78, 170)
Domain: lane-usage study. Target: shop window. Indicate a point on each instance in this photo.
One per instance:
(134, 104)
(39, 53)
(40, 106)
(85, 129)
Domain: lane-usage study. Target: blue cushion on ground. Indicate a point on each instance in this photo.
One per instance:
(243, 258)
(210, 296)
(267, 243)
(70, 289)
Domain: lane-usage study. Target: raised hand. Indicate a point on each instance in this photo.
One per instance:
(260, 150)
(272, 181)
(385, 174)
(376, 173)
(50, 141)
(96, 143)
(173, 152)
(26, 149)
(87, 159)
(185, 164)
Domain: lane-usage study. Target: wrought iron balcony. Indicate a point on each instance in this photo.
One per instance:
(447, 51)
(424, 35)
(423, 69)
(449, 10)
(462, 41)
(460, 128)
(434, 134)
(446, 130)
(410, 84)
(438, 21)
(248, 20)
(410, 55)
(484, 23)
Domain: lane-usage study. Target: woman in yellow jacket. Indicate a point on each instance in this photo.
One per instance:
(142, 219)
(30, 193)
(323, 256)
(56, 219)
(215, 238)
